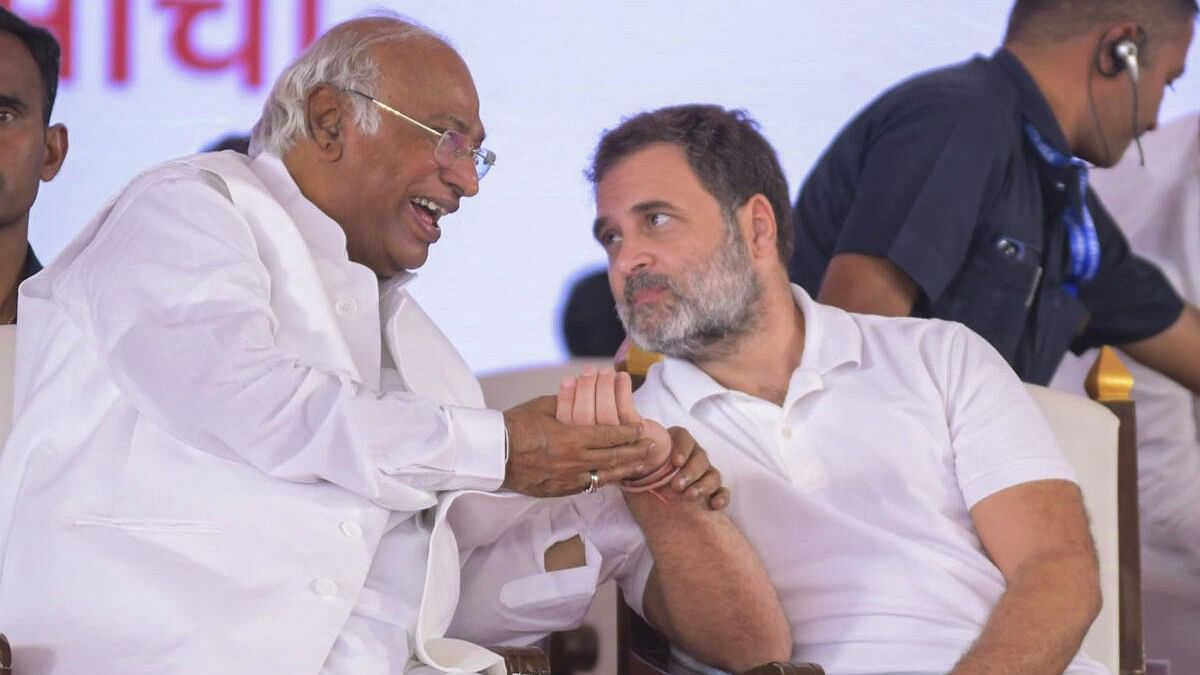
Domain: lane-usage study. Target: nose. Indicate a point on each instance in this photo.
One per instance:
(462, 177)
(631, 258)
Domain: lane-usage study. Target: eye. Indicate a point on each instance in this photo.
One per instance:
(608, 238)
(460, 143)
(7, 116)
(657, 219)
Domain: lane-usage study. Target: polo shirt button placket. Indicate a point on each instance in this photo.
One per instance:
(787, 450)
(803, 467)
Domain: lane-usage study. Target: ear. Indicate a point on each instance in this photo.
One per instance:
(762, 230)
(56, 151)
(326, 120)
(1106, 61)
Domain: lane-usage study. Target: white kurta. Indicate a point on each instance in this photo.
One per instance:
(1158, 209)
(205, 473)
(508, 597)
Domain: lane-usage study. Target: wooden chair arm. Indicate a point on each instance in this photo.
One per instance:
(524, 660)
(573, 651)
(781, 668)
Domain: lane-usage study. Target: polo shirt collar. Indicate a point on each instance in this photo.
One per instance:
(831, 339)
(1031, 103)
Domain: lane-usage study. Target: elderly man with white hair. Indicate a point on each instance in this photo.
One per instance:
(230, 413)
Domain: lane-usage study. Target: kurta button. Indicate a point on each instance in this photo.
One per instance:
(1059, 186)
(787, 434)
(326, 588)
(351, 529)
(346, 306)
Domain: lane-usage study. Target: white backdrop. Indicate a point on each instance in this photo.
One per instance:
(551, 75)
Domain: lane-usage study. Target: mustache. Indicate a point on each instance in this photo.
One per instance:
(647, 280)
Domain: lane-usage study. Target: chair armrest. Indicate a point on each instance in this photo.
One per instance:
(524, 660)
(780, 668)
(5, 655)
(573, 651)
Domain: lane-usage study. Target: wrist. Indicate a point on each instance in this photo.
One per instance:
(656, 478)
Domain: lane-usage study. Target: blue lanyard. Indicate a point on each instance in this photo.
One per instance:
(1081, 231)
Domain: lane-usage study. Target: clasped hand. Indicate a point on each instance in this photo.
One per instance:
(605, 398)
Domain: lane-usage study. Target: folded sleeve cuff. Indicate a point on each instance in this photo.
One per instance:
(1025, 471)
(479, 439)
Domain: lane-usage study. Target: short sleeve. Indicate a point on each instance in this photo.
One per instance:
(929, 171)
(1130, 299)
(999, 435)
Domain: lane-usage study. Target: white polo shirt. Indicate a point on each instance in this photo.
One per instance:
(856, 492)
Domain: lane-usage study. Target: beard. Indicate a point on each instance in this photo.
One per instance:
(701, 316)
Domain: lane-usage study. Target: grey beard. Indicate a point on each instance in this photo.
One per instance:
(705, 315)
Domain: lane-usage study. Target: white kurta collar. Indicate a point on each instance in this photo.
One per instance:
(325, 237)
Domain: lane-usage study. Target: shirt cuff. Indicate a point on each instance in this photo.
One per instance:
(1023, 471)
(479, 438)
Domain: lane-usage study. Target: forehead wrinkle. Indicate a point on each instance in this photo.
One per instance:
(651, 205)
(459, 124)
(430, 81)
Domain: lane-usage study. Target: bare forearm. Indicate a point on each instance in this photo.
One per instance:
(709, 593)
(1173, 351)
(868, 285)
(1039, 622)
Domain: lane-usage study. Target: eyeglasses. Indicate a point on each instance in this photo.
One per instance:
(451, 146)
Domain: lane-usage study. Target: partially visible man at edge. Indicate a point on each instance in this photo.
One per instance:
(31, 149)
(955, 195)
(902, 489)
(1158, 208)
(230, 411)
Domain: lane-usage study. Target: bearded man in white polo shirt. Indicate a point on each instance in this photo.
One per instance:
(901, 488)
(903, 491)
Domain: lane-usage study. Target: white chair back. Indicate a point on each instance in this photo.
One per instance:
(1087, 433)
(506, 388)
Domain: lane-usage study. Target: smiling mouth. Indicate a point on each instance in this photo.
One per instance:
(430, 207)
(428, 214)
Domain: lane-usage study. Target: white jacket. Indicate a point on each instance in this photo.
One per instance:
(206, 473)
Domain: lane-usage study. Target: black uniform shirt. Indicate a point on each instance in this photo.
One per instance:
(937, 176)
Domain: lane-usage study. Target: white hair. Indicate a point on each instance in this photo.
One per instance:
(341, 58)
